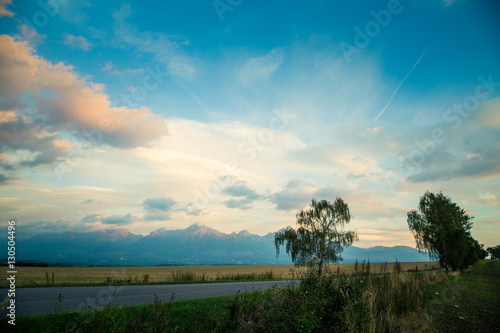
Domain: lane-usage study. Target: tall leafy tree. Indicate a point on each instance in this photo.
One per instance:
(442, 228)
(474, 252)
(320, 235)
(482, 252)
(494, 252)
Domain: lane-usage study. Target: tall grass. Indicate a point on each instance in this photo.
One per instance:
(188, 276)
(269, 275)
(337, 303)
(181, 276)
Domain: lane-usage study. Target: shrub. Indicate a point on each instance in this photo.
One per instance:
(335, 303)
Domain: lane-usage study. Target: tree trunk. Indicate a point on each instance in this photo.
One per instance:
(320, 268)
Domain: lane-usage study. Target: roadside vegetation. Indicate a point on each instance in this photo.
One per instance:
(494, 252)
(370, 301)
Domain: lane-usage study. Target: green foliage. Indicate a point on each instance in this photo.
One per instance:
(474, 252)
(316, 305)
(494, 252)
(320, 236)
(442, 228)
(336, 303)
(482, 253)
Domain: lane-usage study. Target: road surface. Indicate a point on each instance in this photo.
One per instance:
(32, 301)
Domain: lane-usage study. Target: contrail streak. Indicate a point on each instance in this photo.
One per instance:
(193, 96)
(399, 85)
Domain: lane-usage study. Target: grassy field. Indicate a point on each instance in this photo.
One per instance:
(470, 303)
(85, 276)
(392, 303)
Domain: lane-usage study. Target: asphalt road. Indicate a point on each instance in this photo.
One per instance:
(32, 301)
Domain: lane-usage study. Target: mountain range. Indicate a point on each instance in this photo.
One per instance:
(195, 245)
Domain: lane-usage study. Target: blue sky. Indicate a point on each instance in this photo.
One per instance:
(235, 114)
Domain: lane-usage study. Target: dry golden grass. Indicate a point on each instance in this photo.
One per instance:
(32, 276)
(377, 267)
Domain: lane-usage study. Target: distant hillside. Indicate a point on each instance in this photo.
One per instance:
(195, 245)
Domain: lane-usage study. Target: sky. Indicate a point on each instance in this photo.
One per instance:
(235, 114)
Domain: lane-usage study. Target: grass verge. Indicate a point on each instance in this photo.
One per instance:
(469, 303)
(199, 315)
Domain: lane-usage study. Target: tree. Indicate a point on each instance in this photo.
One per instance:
(473, 253)
(442, 228)
(482, 253)
(494, 252)
(320, 235)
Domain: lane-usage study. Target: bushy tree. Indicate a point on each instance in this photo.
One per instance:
(473, 252)
(442, 229)
(482, 253)
(494, 252)
(320, 235)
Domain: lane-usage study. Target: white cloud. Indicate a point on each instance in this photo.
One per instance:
(182, 67)
(260, 69)
(78, 42)
(73, 11)
(167, 49)
(110, 68)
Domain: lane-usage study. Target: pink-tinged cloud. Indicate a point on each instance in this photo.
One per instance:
(67, 102)
(3, 10)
